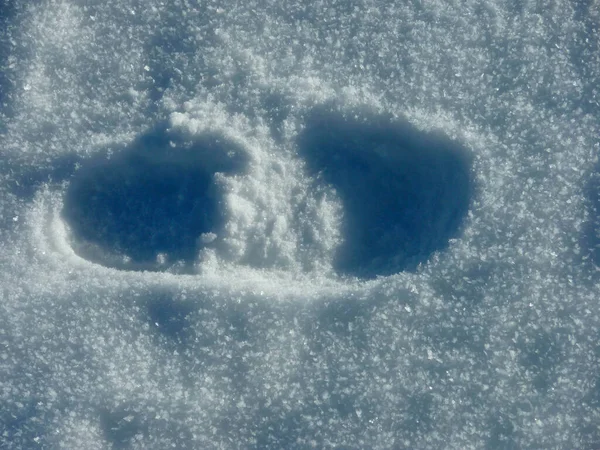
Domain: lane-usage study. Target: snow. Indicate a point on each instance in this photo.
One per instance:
(360, 224)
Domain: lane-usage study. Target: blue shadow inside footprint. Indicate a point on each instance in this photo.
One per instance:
(404, 192)
(145, 207)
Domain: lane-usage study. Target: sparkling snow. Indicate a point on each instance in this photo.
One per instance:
(365, 224)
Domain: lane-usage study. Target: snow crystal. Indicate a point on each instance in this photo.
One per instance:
(359, 224)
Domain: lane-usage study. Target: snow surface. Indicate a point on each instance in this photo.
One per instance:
(364, 224)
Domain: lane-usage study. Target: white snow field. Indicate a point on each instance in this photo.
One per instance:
(357, 224)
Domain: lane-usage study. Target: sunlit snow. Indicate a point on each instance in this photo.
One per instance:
(361, 224)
